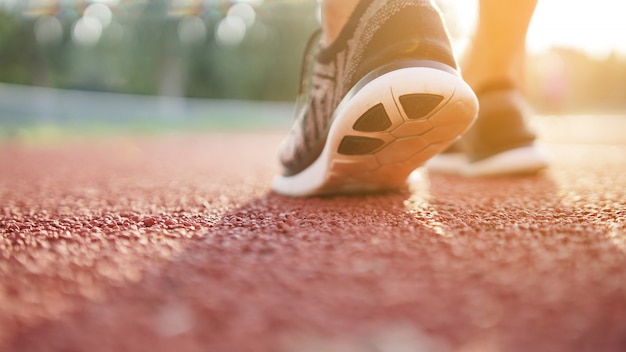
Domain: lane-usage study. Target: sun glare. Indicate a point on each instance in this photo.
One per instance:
(596, 27)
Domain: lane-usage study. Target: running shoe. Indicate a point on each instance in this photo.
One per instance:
(500, 143)
(376, 103)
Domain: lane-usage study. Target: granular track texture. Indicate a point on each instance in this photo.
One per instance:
(176, 244)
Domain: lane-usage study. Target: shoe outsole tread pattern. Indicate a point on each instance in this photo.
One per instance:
(383, 131)
(358, 145)
(374, 120)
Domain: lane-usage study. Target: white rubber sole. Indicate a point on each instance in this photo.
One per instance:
(392, 153)
(519, 161)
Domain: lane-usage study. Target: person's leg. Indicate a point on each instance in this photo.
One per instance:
(335, 14)
(500, 141)
(380, 94)
(497, 50)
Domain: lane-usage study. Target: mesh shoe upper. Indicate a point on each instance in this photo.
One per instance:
(501, 123)
(379, 32)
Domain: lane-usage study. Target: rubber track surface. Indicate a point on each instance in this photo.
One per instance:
(176, 244)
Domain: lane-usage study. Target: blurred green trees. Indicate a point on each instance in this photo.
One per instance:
(16, 51)
(244, 49)
(194, 48)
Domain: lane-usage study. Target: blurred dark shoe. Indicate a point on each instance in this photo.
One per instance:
(500, 143)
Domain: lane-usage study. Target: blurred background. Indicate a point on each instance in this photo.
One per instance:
(163, 64)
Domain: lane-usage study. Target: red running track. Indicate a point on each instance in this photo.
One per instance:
(174, 243)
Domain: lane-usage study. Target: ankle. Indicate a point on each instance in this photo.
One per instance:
(480, 69)
(479, 80)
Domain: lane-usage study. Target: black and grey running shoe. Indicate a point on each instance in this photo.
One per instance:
(376, 103)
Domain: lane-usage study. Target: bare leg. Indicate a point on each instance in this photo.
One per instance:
(335, 14)
(498, 48)
(500, 141)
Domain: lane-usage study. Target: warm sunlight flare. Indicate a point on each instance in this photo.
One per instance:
(598, 28)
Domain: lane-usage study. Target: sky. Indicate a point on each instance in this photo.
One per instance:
(597, 27)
